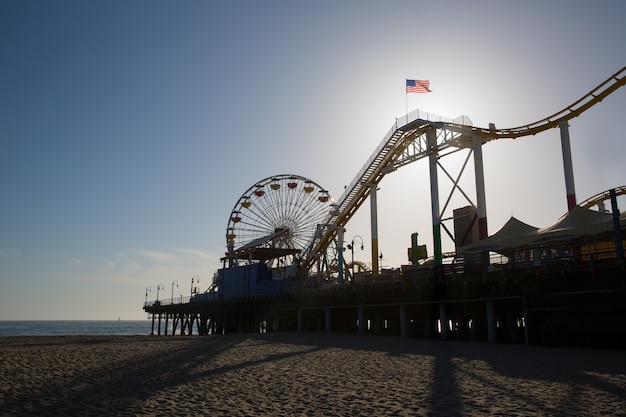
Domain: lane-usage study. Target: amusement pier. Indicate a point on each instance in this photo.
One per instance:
(288, 266)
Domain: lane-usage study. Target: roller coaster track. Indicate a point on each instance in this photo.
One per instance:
(603, 196)
(407, 142)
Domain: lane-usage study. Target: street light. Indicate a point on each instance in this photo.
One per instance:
(351, 247)
(148, 289)
(159, 287)
(174, 282)
(195, 279)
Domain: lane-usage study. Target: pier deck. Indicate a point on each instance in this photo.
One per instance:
(557, 302)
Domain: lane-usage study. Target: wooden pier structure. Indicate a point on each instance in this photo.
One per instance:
(557, 302)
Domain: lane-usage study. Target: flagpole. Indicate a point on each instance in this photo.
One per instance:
(415, 86)
(406, 103)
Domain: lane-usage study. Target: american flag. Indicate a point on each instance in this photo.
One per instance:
(418, 86)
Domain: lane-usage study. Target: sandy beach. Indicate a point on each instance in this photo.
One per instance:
(303, 374)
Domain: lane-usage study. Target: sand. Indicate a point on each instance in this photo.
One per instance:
(303, 374)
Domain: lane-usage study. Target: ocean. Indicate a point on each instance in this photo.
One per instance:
(75, 327)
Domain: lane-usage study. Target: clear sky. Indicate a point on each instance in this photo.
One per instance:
(129, 130)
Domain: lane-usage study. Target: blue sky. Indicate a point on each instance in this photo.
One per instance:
(128, 130)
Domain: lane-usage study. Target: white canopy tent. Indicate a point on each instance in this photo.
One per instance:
(516, 234)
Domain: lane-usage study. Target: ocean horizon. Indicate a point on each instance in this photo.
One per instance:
(75, 327)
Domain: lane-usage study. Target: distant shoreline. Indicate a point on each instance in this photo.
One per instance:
(73, 327)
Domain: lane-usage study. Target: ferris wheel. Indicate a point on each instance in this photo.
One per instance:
(289, 203)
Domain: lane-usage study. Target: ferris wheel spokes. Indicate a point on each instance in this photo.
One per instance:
(291, 203)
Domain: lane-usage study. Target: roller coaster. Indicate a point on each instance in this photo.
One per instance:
(284, 225)
(412, 138)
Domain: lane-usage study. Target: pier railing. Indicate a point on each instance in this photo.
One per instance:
(500, 268)
(168, 301)
(577, 256)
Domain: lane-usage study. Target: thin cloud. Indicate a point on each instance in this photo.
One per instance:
(10, 252)
(77, 262)
(159, 257)
(197, 253)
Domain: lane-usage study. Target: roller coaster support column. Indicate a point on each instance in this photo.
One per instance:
(340, 261)
(482, 227)
(567, 165)
(480, 187)
(431, 135)
(619, 246)
(374, 221)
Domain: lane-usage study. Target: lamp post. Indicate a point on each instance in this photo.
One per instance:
(148, 289)
(351, 247)
(159, 287)
(174, 282)
(195, 279)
